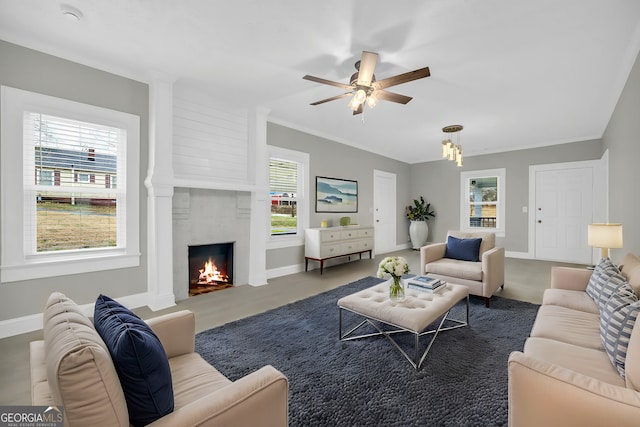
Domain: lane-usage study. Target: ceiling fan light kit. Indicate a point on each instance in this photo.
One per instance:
(451, 151)
(372, 100)
(358, 99)
(363, 86)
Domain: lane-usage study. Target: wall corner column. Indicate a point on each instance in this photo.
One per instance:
(159, 183)
(259, 176)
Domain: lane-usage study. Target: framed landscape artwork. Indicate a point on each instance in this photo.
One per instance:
(336, 195)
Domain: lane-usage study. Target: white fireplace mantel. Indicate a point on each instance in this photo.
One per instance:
(217, 185)
(187, 133)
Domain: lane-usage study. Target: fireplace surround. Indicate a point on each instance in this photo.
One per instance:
(202, 217)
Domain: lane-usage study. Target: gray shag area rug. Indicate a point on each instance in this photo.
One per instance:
(367, 382)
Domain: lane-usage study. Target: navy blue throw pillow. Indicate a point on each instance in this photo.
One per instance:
(139, 358)
(463, 249)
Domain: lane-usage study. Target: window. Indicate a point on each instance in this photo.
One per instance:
(44, 177)
(67, 220)
(482, 204)
(283, 186)
(74, 215)
(287, 189)
(110, 181)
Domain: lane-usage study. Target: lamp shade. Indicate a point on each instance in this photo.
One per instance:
(605, 236)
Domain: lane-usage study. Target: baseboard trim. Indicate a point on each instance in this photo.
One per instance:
(285, 271)
(397, 248)
(20, 325)
(33, 322)
(156, 303)
(521, 255)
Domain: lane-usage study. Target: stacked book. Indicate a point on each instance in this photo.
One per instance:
(425, 284)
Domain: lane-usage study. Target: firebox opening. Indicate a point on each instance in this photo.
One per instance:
(210, 267)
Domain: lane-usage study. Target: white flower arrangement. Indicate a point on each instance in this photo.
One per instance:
(392, 266)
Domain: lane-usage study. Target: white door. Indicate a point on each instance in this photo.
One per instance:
(563, 209)
(384, 211)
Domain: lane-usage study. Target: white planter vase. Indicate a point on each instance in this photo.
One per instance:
(418, 231)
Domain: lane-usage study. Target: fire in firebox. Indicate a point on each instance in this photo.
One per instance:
(211, 275)
(210, 267)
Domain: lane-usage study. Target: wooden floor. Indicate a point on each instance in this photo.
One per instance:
(525, 280)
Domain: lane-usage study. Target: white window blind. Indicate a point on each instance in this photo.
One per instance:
(283, 187)
(283, 176)
(70, 169)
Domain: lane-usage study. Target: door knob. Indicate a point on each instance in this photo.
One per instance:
(539, 221)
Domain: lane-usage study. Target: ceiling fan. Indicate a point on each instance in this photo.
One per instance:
(364, 87)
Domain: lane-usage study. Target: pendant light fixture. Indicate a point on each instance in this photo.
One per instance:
(450, 150)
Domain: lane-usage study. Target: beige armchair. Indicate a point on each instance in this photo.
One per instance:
(72, 367)
(483, 277)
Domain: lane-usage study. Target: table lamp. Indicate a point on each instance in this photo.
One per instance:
(605, 236)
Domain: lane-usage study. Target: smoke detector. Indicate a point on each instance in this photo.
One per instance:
(71, 12)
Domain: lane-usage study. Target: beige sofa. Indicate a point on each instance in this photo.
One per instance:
(72, 367)
(563, 376)
(482, 278)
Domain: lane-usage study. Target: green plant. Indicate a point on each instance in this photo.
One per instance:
(420, 210)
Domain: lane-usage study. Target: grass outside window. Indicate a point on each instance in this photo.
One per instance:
(63, 226)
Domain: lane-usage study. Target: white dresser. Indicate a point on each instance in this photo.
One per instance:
(321, 244)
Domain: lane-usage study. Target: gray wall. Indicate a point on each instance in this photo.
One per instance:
(439, 183)
(37, 72)
(332, 159)
(622, 139)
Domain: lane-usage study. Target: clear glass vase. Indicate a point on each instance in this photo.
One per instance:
(396, 289)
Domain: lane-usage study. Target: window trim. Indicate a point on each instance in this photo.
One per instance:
(16, 264)
(302, 200)
(500, 207)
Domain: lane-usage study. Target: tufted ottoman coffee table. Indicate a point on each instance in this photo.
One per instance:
(414, 315)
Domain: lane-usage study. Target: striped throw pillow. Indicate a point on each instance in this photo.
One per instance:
(616, 323)
(604, 281)
(615, 282)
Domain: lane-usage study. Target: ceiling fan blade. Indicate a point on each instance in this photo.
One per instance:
(367, 66)
(359, 110)
(393, 97)
(327, 82)
(402, 78)
(333, 98)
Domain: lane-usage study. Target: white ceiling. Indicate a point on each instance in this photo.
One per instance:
(515, 73)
